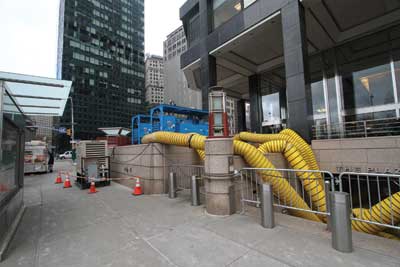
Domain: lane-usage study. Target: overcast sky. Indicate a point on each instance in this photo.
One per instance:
(28, 30)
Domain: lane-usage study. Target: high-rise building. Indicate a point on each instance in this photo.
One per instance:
(154, 79)
(177, 89)
(44, 130)
(101, 49)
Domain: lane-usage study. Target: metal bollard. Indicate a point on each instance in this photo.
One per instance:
(267, 206)
(172, 185)
(328, 205)
(195, 191)
(342, 239)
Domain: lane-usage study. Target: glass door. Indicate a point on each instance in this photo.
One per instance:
(273, 100)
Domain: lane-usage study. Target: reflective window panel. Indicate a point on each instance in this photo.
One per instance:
(247, 3)
(224, 10)
(8, 160)
(368, 87)
(271, 109)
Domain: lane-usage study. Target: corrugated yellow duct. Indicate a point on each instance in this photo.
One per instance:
(195, 141)
(253, 157)
(290, 136)
(202, 154)
(294, 149)
(307, 152)
(310, 181)
(388, 236)
(280, 185)
(391, 203)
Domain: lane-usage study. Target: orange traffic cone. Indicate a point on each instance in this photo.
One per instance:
(137, 191)
(67, 183)
(92, 189)
(59, 179)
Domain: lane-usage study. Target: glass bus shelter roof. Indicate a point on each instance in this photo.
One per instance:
(37, 95)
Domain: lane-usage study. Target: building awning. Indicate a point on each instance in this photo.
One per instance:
(37, 95)
(115, 131)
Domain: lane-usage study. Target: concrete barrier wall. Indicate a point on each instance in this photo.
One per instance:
(148, 162)
(374, 154)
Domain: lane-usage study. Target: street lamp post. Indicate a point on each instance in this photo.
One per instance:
(72, 120)
(73, 132)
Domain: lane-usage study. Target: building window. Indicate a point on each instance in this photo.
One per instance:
(247, 3)
(8, 163)
(318, 99)
(368, 87)
(271, 109)
(223, 10)
(397, 74)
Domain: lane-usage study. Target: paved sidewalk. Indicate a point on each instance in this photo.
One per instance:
(68, 227)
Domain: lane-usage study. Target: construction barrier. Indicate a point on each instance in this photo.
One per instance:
(375, 201)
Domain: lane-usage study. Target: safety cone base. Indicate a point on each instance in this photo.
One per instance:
(67, 183)
(58, 180)
(92, 188)
(137, 194)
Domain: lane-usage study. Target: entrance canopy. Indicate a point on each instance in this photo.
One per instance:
(37, 95)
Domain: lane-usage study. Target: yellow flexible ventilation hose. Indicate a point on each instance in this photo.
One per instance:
(254, 158)
(378, 211)
(202, 154)
(195, 141)
(290, 136)
(303, 146)
(282, 188)
(300, 156)
(310, 181)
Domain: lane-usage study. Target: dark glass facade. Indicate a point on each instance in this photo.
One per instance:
(307, 66)
(101, 49)
(12, 139)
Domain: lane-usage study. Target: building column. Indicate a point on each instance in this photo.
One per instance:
(208, 65)
(208, 69)
(256, 116)
(241, 112)
(296, 66)
(1, 116)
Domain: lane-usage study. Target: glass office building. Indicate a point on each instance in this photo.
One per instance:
(101, 50)
(323, 68)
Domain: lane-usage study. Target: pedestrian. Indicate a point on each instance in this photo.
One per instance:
(51, 160)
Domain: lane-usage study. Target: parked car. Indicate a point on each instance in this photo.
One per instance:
(66, 155)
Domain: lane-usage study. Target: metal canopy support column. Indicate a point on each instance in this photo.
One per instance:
(296, 67)
(208, 69)
(256, 117)
(208, 64)
(395, 86)
(1, 116)
(241, 110)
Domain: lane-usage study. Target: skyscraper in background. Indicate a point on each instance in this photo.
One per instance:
(176, 86)
(154, 79)
(101, 49)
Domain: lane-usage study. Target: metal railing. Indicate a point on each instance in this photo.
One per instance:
(336, 208)
(357, 129)
(250, 187)
(184, 173)
(374, 197)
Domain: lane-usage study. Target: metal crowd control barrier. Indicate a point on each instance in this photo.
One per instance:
(255, 192)
(250, 187)
(186, 177)
(372, 197)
